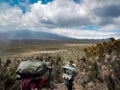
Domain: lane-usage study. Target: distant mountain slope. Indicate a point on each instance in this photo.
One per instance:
(26, 34)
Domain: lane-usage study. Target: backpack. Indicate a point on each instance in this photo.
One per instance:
(69, 70)
(68, 74)
(32, 68)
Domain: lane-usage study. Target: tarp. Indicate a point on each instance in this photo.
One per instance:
(32, 68)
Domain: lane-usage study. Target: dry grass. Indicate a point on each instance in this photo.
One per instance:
(31, 47)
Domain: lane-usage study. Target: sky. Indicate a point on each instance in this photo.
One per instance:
(93, 19)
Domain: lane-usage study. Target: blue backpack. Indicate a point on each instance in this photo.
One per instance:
(70, 72)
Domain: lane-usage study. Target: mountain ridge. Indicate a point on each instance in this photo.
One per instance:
(26, 34)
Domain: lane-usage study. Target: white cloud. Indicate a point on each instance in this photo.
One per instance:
(10, 18)
(60, 13)
(84, 33)
(59, 17)
(110, 27)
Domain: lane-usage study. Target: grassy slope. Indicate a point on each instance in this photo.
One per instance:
(8, 48)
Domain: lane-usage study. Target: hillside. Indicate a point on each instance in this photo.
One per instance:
(27, 34)
(97, 70)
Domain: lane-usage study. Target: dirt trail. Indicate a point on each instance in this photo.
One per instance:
(41, 52)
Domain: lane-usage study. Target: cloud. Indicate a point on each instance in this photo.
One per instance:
(66, 13)
(10, 18)
(65, 17)
(3, 7)
(108, 11)
(60, 13)
(117, 20)
(85, 33)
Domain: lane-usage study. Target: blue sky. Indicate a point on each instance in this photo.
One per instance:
(19, 3)
(72, 18)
